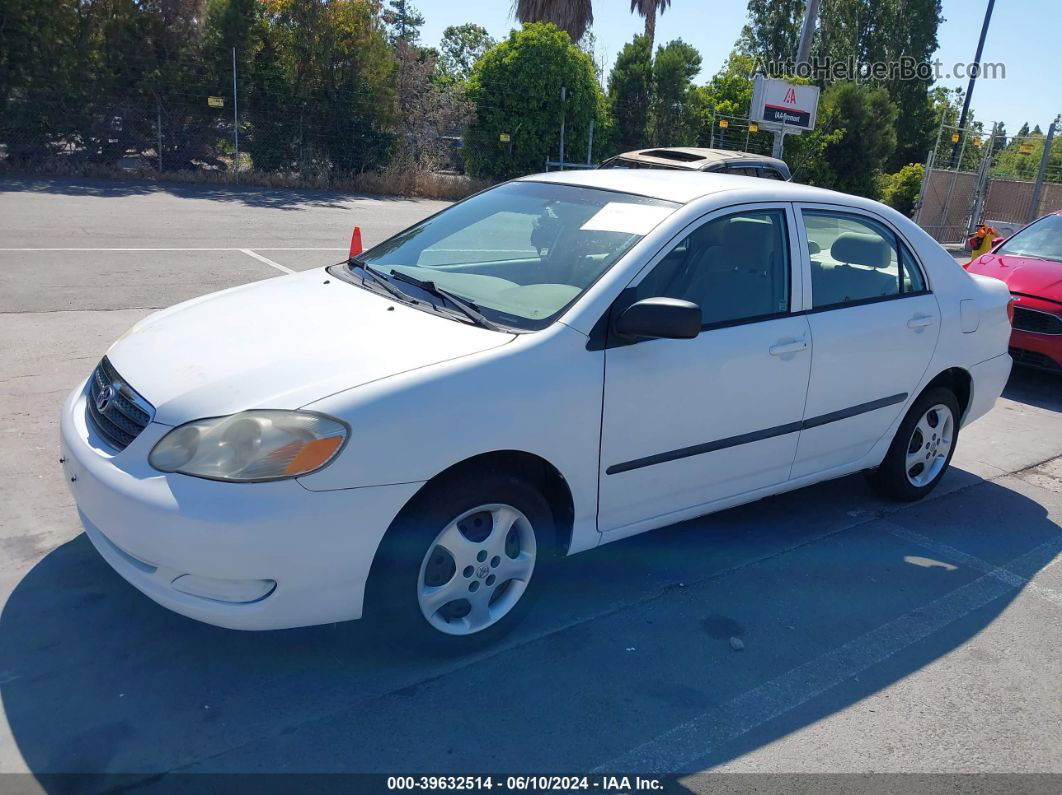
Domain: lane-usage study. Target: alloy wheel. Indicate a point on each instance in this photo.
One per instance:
(930, 445)
(476, 569)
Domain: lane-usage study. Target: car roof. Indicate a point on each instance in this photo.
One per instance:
(686, 186)
(697, 158)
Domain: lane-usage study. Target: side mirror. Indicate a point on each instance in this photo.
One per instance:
(997, 240)
(660, 318)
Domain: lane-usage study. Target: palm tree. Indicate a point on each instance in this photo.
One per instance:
(571, 16)
(648, 9)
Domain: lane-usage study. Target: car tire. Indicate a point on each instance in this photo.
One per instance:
(462, 564)
(921, 451)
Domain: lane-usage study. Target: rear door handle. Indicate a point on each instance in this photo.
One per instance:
(921, 321)
(793, 346)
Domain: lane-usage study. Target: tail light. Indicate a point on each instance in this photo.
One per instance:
(1010, 311)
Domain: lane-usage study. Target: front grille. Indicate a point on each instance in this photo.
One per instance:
(1034, 359)
(1036, 321)
(124, 413)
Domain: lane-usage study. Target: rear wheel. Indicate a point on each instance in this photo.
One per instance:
(462, 566)
(922, 449)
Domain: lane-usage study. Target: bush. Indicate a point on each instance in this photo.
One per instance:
(900, 190)
(516, 88)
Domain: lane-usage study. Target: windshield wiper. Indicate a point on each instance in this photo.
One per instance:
(467, 308)
(380, 279)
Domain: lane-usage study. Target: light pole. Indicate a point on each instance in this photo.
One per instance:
(807, 33)
(975, 70)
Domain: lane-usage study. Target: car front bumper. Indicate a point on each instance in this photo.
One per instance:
(1042, 351)
(154, 528)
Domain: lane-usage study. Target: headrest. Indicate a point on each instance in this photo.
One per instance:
(868, 250)
(748, 239)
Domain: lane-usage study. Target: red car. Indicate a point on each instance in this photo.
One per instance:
(1030, 263)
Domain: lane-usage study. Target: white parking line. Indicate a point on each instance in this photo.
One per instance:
(678, 748)
(952, 555)
(266, 260)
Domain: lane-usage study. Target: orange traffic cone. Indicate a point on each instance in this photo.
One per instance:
(355, 242)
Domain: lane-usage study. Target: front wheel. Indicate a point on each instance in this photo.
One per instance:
(462, 566)
(922, 448)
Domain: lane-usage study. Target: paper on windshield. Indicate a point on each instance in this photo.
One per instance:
(631, 219)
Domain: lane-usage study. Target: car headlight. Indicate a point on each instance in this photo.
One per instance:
(262, 444)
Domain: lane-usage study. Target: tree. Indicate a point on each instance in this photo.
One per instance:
(1013, 163)
(461, 47)
(428, 110)
(334, 88)
(868, 31)
(630, 94)
(773, 29)
(907, 29)
(674, 122)
(403, 21)
(571, 16)
(40, 58)
(858, 123)
(1023, 131)
(273, 146)
(516, 89)
(729, 92)
(648, 9)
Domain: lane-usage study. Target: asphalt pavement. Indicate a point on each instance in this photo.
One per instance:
(821, 631)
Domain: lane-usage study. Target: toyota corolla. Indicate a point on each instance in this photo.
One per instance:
(553, 364)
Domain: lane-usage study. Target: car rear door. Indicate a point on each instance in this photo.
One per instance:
(874, 324)
(689, 422)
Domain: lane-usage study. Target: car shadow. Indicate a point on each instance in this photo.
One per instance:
(632, 639)
(249, 195)
(1035, 387)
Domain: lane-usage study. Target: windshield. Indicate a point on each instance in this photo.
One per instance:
(522, 252)
(1041, 240)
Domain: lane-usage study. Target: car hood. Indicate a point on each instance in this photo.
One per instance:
(281, 343)
(1024, 275)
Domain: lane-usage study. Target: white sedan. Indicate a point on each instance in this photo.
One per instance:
(558, 362)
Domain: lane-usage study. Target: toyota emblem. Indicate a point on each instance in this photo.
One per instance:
(104, 398)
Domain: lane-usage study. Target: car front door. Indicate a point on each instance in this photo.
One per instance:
(689, 422)
(874, 324)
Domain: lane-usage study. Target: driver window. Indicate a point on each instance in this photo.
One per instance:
(734, 268)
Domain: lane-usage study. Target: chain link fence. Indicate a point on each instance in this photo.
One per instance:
(225, 134)
(980, 175)
(739, 134)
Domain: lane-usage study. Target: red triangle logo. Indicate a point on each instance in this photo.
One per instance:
(790, 97)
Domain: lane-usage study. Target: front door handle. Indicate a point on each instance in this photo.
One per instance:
(792, 346)
(921, 321)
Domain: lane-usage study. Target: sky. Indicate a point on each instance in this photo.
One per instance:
(1023, 35)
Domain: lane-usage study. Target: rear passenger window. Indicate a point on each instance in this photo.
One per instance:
(856, 259)
(734, 268)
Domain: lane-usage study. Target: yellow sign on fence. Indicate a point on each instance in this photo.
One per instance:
(504, 138)
(724, 123)
(754, 127)
(1025, 149)
(216, 102)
